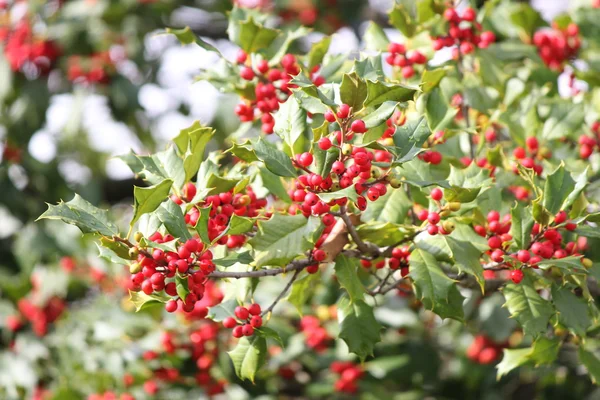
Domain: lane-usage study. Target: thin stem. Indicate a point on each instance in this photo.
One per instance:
(283, 292)
(293, 266)
(362, 246)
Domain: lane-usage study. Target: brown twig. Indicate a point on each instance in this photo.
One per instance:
(283, 292)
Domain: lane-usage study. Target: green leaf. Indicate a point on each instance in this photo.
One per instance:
(311, 103)
(437, 292)
(163, 165)
(302, 290)
(569, 265)
(543, 351)
(559, 185)
(521, 225)
(253, 37)
(349, 193)
(528, 307)
(275, 160)
(392, 207)
(431, 79)
(317, 52)
(462, 254)
(565, 119)
(526, 18)
(467, 183)
(408, 140)
(290, 121)
(346, 271)
(191, 143)
(280, 46)
(222, 310)
(181, 284)
(591, 362)
(147, 199)
(353, 91)
(437, 109)
(111, 256)
(269, 333)
(282, 238)
(379, 92)
(238, 225)
(402, 20)
(187, 36)
(202, 224)
(375, 38)
(358, 327)
(369, 68)
(234, 258)
(573, 312)
(324, 159)
(273, 183)
(82, 214)
(171, 216)
(249, 356)
(382, 234)
(142, 301)
(243, 151)
(380, 115)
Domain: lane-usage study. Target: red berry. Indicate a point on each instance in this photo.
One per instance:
(171, 306)
(343, 111)
(469, 14)
(247, 330)
(497, 255)
(247, 73)
(338, 167)
(358, 126)
(254, 309)
(437, 194)
(495, 242)
(325, 143)
(523, 256)
(242, 312)
(516, 275)
(238, 332)
(229, 322)
(319, 255)
(432, 229)
(329, 116)
(256, 321)
(493, 216)
(373, 194)
(422, 215)
(433, 218)
(532, 143)
(305, 159)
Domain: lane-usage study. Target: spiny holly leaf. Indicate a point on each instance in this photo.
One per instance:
(191, 143)
(437, 292)
(591, 362)
(353, 91)
(142, 300)
(380, 115)
(521, 225)
(243, 151)
(160, 166)
(431, 79)
(573, 312)
(462, 254)
(408, 140)
(317, 52)
(437, 109)
(569, 265)
(302, 289)
(383, 233)
(391, 207)
(467, 183)
(234, 258)
(543, 351)
(147, 199)
(528, 307)
(269, 333)
(349, 193)
(186, 36)
(249, 356)
(358, 327)
(275, 160)
(202, 224)
(282, 238)
(375, 38)
(324, 159)
(559, 185)
(82, 214)
(369, 68)
(402, 20)
(346, 271)
(181, 285)
(379, 92)
(253, 37)
(290, 121)
(171, 216)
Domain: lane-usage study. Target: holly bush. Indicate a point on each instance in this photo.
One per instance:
(417, 220)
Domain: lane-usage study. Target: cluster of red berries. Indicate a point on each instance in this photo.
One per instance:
(248, 319)
(155, 271)
(40, 317)
(96, 68)
(433, 218)
(587, 144)
(22, 48)
(316, 336)
(109, 395)
(397, 119)
(521, 193)
(464, 32)
(223, 206)
(399, 260)
(547, 243)
(405, 60)
(273, 87)
(556, 45)
(484, 350)
(529, 160)
(349, 375)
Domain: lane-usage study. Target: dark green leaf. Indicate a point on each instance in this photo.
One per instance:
(147, 199)
(346, 271)
(249, 356)
(275, 160)
(358, 327)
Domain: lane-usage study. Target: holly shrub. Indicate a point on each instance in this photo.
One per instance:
(415, 220)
